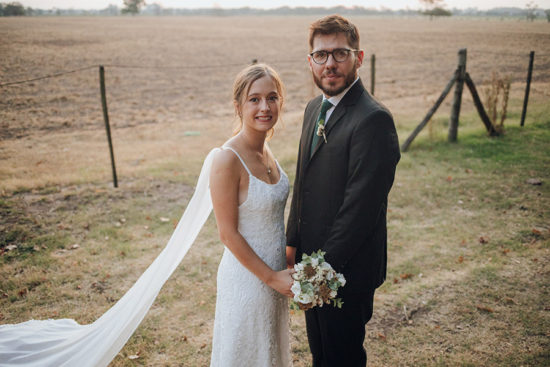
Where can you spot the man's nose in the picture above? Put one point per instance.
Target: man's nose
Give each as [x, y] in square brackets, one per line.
[330, 60]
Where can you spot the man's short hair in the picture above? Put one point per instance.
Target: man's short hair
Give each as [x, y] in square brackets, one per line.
[332, 24]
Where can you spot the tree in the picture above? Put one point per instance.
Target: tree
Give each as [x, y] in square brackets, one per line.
[438, 12]
[132, 6]
[430, 4]
[531, 11]
[13, 9]
[434, 8]
[547, 12]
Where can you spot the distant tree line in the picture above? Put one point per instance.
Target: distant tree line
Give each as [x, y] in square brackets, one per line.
[135, 7]
[12, 10]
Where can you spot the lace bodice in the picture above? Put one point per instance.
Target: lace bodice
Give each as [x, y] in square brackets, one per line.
[261, 218]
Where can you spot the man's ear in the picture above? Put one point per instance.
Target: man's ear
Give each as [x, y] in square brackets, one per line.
[309, 61]
[360, 56]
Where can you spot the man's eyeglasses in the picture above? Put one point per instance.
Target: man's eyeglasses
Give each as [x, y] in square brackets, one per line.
[338, 54]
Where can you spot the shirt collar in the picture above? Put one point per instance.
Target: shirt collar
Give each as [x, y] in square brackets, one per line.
[337, 98]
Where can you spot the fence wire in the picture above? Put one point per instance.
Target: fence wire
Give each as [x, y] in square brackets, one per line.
[72, 104]
[379, 60]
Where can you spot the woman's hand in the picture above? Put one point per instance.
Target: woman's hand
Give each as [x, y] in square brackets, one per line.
[281, 281]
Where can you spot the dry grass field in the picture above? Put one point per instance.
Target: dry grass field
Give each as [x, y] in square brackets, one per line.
[469, 239]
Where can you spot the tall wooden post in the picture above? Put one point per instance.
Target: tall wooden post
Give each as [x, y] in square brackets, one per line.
[457, 101]
[372, 72]
[527, 87]
[106, 118]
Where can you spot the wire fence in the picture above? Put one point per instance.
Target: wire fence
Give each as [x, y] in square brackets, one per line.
[506, 69]
[141, 93]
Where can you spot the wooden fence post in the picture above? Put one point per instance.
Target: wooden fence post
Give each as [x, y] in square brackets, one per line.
[480, 110]
[372, 72]
[455, 111]
[106, 118]
[527, 87]
[430, 113]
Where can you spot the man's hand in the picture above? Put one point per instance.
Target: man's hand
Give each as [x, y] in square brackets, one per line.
[290, 256]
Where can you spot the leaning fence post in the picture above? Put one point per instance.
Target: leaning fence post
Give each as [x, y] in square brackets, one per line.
[457, 100]
[106, 118]
[527, 87]
[372, 72]
[479, 106]
[431, 112]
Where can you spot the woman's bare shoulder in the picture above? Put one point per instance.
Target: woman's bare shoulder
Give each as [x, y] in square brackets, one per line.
[226, 163]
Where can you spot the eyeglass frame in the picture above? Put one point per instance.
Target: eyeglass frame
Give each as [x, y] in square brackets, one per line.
[329, 53]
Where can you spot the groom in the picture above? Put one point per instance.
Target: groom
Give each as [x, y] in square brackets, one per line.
[346, 165]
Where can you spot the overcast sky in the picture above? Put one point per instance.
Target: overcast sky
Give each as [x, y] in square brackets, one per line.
[393, 4]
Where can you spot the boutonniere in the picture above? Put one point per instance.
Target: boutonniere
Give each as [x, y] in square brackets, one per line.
[321, 130]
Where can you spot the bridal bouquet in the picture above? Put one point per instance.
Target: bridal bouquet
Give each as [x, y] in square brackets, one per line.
[315, 282]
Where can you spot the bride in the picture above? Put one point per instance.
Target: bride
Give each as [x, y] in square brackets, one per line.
[249, 191]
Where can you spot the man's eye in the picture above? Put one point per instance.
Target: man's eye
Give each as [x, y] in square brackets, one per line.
[320, 54]
[253, 99]
[341, 52]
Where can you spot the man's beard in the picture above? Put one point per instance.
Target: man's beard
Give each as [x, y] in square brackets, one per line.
[349, 79]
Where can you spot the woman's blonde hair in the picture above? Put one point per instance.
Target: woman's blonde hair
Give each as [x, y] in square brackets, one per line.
[244, 81]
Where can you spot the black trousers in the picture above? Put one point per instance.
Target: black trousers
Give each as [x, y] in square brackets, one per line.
[336, 335]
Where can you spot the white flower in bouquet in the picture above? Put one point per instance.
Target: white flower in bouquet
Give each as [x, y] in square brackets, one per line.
[296, 289]
[314, 261]
[305, 298]
[315, 282]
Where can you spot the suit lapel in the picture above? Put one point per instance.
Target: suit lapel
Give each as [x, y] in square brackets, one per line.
[349, 99]
[335, 117]
[310, 125]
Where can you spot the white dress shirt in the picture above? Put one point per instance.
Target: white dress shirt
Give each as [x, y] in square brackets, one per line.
[336, 99]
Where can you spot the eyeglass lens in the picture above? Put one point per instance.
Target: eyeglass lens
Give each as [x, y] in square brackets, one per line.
[339, 55]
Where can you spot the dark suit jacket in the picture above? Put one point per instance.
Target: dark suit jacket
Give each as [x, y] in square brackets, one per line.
[340, 194]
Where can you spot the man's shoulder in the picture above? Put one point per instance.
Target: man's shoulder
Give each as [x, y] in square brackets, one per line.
[315, 101]
[367, 105]
[358, 95]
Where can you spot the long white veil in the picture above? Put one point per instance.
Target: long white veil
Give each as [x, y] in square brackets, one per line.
[64, 342]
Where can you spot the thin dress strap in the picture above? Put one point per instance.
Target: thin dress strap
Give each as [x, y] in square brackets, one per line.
[238, 156]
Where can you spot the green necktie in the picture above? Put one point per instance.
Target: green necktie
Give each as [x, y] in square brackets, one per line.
[325, 106]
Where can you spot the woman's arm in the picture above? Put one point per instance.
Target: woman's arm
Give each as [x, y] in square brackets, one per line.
[224, 188]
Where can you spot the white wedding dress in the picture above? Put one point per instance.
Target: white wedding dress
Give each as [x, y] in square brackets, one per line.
[251, 327]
